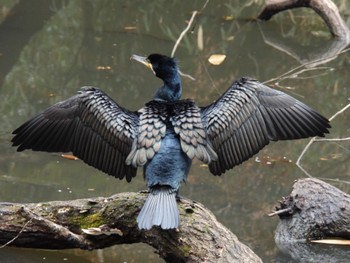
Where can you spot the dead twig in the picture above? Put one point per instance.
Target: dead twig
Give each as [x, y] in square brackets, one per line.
[187, 28]
[321, 139]
[19, 233]
[183, 33]
[300, 69]
[332, 139]
[280, 212]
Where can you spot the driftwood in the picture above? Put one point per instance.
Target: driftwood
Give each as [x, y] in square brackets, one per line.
[325, 8]
[314, 210]
[110, 221]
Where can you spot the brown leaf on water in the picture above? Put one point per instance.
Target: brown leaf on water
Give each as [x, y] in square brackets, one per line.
[200, 42]
[104, 68]
[336, 155]
[216, 59]
[331, 157]
[267, 160]
[228, 18]
[130, 28]
[69, 157]
[332, 242]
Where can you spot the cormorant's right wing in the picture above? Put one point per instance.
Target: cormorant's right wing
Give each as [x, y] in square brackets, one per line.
[90, 125]
[249, 115]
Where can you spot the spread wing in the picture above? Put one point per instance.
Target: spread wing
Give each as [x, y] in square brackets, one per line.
[90, 125]
[249, 115]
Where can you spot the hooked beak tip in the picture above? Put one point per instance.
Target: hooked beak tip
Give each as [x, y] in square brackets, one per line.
[142, 60]
[139, 58]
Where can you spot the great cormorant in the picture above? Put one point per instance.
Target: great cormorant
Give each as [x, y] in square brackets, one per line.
[167, 133]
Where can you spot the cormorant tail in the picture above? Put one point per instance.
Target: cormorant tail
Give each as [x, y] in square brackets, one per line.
[160, 209]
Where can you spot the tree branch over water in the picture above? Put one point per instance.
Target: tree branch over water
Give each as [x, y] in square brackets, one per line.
[110, 221]
[325, 8]
[315, 139]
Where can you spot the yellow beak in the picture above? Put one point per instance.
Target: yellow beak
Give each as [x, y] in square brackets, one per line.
[144, 61]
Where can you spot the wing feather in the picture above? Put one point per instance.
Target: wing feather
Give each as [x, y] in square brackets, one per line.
[187, 122]
[249, 115]
[151, 130]
[90, 125]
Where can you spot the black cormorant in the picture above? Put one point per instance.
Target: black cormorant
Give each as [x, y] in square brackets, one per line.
[167, 133]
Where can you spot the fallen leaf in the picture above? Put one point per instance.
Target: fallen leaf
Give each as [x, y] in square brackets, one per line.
[228, 18]
[216, 59]
[130, 28]
[69, 157]
[104, 68]
[200, 43]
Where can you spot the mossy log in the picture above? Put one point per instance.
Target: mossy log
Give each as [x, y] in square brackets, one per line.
[63, 224]
[324, 8]
[314, 210]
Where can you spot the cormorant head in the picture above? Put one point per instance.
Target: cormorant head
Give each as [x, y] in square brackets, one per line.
[166, 69]
[163, 67]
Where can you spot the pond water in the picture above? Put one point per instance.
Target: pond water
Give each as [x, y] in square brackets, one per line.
[48, 49]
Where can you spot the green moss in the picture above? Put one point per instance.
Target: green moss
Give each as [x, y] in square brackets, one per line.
[185, 249]
[94, 220]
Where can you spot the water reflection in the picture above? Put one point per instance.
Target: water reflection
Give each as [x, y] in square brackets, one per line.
[89, 43]
[301, 252]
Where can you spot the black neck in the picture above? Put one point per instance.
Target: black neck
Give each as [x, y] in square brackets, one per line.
[171, 90]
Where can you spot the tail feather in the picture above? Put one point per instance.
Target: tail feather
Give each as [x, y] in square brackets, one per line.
[160, 209]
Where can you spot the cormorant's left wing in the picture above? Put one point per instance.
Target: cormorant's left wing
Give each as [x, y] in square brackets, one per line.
[249, 115]
[90, 125]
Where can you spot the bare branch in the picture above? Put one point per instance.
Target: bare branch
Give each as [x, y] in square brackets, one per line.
[324, 8]
[183, 33]
[320, 139]
[332, 139]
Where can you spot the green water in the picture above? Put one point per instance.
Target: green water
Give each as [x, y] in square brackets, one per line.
[48, 49]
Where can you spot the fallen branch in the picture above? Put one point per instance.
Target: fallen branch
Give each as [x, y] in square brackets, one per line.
[314, 210]
[110, 221]
[325, 8]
